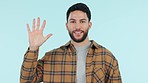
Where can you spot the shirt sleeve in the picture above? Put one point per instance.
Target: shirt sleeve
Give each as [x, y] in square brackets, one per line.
[31, 70]
[114, 76]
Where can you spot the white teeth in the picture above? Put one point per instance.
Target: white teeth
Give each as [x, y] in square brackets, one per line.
[78, 32]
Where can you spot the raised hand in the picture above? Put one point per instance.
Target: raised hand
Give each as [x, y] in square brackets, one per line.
[36, 38]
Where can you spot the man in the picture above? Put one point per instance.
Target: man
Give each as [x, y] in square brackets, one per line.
[80, 60]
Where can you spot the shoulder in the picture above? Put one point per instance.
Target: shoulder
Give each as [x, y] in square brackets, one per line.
[105, 54]
[101, 50]
[56, 51]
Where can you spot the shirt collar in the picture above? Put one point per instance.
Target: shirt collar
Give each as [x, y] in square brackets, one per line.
[93, 44]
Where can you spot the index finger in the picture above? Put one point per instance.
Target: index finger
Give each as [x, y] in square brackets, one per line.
[43, 25]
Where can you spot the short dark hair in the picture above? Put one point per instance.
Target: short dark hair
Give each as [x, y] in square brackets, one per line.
[79, 6]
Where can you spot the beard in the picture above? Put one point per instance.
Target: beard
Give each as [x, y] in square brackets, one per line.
[85, 33]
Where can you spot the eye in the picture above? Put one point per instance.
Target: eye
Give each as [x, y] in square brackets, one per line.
[83, 21]
[72, 21]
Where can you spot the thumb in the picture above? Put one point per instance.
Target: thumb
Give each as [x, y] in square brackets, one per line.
[49, 35]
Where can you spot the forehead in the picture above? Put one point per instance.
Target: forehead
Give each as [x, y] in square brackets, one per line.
[77, 15]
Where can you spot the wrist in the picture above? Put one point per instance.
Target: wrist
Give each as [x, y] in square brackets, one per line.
[33, 48]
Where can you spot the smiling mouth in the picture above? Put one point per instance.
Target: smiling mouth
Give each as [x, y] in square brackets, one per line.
[78, 32]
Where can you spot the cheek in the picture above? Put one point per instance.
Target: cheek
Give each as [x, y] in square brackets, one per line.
[86, 27]
[70, 27]
[69, 30]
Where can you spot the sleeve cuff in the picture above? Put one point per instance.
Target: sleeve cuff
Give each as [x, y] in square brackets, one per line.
[31, 54]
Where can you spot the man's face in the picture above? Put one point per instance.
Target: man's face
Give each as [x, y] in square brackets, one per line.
[78, 26]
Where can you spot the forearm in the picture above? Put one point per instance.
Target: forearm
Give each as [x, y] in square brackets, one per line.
[29, 67]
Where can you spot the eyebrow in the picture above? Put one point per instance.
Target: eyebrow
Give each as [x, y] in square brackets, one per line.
[71, 19]
[80, 19]
[83, 19]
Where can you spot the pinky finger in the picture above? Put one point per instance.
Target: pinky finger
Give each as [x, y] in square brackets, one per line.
[28, 29]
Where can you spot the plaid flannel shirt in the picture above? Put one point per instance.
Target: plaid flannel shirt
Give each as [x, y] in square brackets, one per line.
[59, 66]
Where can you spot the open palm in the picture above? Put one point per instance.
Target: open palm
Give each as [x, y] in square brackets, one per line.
[36, 38]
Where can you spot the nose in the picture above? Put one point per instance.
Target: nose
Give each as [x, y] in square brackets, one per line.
[78, 26]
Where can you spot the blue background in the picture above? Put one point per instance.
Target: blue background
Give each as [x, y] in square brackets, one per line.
[119, 25]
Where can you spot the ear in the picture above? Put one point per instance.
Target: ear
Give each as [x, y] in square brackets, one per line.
[90, 24]
[66, 24]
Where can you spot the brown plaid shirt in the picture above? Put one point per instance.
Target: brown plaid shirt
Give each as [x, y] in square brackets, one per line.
[59, 66]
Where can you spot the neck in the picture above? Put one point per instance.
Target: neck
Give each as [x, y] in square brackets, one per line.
[85, 42]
